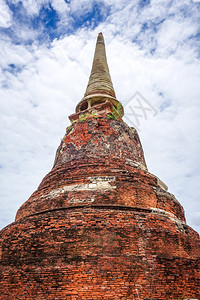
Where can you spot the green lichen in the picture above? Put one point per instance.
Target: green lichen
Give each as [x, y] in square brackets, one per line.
[120, 109]
[82, 118]
[117, 112]
[68, 127]
[111, 116]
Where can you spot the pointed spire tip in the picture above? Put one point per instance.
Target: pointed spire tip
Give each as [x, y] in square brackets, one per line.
[100, 38]
[100, 87]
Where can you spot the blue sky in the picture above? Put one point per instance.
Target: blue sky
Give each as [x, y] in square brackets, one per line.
[46, 51]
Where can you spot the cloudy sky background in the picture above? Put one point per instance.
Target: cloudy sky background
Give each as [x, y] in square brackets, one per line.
[46, 52]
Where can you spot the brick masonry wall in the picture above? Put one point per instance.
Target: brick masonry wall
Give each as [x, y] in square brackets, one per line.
[100, 226]
[100, 161]
[68, 186]
[99, 253]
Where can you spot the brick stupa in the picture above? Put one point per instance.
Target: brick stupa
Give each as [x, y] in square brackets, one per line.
[100, 226]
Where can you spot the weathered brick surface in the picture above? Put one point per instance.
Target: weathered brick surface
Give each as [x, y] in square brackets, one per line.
[99, 253]
[100, 226]
[100, 161]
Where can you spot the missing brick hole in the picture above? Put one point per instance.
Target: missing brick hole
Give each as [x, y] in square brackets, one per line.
[84, 106]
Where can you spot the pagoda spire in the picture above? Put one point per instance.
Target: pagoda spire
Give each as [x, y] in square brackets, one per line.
[100, 80]
[100, 88]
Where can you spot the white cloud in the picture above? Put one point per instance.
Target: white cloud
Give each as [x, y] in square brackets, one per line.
[80, 7]
[32, 6]
[60, 6]
[173, 34]
[13, 54]
[5, 15]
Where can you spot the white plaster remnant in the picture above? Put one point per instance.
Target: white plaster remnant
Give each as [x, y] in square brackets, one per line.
[166, 194]
[135, 164]
[97, 183]
[95, 179]
[162, 184]
[171, 216]
[87, 200]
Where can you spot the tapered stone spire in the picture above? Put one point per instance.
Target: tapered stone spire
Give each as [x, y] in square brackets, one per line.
[100, 88]
[100, 80]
